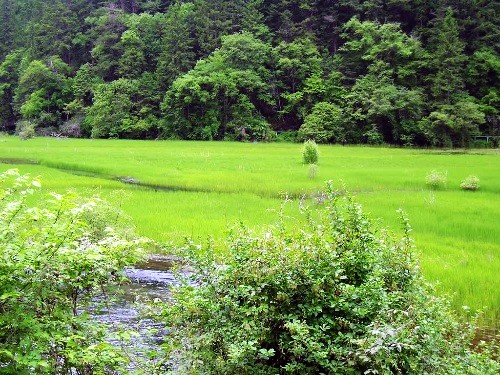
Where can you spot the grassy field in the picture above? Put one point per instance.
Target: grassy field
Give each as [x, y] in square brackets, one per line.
[199, 188]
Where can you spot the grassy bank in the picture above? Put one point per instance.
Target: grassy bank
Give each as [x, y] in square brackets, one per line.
[199, 188]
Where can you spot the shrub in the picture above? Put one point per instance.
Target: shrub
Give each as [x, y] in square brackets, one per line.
[436, 180]
[310, 152]
[324, 124]
[72, 128]
[336, 297]
[53, 262]
[453, 124]
[25, 129]
[470, 183]
[373, 136]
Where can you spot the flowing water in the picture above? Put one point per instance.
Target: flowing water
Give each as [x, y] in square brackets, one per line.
[148, 282]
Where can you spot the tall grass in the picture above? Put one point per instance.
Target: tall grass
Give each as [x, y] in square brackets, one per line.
[200, 188]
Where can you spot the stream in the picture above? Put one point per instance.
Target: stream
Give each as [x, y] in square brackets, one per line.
[148, 282]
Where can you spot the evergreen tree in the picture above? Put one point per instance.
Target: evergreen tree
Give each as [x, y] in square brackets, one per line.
[132, 60]
[54, 31]
[385, 63]
[111, 115]
[479, 23]
[106, 31]
[446, 59]
[150, 31]
[6, 27]
[177, 53]
[378, 106]
[369, 42]
[217, 18]
[298, 67]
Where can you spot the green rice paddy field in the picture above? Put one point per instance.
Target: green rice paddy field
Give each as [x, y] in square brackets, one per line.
[200, 188]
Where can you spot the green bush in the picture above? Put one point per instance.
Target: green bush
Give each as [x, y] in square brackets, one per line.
[310, 152]
[336, 297]
[373, 136]
[453, 125]
[324, 124]
[470, 183]
[436, 180]
[53, 262]
[25, 130]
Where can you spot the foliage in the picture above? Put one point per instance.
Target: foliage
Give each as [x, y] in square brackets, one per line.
[54, 261]
[436, 180]
[9, 76]
[310, 152]
[218, 18]
[446, 58]
[336, 297]
[470, 183]
[375, 101]
[290, 136]
[482, 68]
[121, 109]
[41, 91]
[25, 130]
[82, 86]
[388, 66]
[373, 136]
[453, 124]
[217, 99]
[131, 63]
[299, 84]
[369, 42]
[106, 29]
[112, 108]
[176, 58]
[380, 59]
[324, 124]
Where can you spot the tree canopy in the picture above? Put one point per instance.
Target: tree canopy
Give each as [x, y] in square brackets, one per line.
[398, 72]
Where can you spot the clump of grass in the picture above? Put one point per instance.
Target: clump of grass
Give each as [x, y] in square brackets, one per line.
[471, 183]
[436, 180]
[310, 152]
[313, 171]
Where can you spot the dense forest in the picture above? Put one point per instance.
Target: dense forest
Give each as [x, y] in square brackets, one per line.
[402, 72]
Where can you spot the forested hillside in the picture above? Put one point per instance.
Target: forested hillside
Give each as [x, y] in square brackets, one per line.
[405, 72]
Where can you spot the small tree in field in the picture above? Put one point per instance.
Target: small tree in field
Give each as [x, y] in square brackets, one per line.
[333, 297]
[310, 152]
